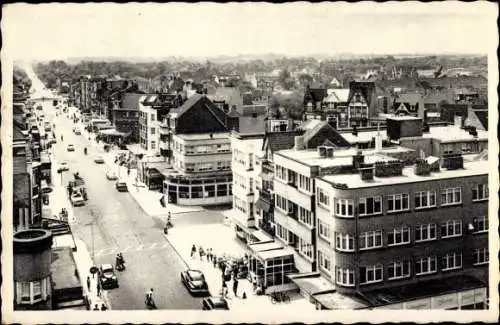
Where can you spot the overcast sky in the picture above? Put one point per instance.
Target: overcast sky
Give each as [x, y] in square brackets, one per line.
[153, 30]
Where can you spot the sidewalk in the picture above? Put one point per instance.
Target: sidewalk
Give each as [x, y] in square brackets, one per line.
[222, 240]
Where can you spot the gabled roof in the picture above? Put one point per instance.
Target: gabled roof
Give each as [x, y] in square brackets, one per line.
[337, 96]
[478, 118]
[410, 98]
[337, 140]
[188, 104]
[317, 94]
[130, 101]
[276, 141]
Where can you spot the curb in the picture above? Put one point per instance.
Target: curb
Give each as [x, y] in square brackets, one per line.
[176, 251]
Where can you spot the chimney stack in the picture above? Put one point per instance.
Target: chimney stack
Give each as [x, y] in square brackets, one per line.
[378, 140]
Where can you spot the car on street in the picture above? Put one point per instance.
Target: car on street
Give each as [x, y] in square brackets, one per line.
[107, 277]
[121, 186]
[99, 160]
[195, 282]
[77, 131]
[70, 147]
[214, 303]
[77, 199]
[111, 175]
[63, 166]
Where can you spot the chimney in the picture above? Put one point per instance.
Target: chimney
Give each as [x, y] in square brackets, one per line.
[458, 120]
[378, 140]
[358, 160]
[366, 173]
[322, 151]
[289, 126]
[299, 143]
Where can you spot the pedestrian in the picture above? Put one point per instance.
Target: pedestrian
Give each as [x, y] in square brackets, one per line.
[193, 250]
[96, 307]
[224, 289]
[88, 282]
[214, 260]
[235, 287]
[201, 251]
[208, 255]
[98, 288]
[103, 307]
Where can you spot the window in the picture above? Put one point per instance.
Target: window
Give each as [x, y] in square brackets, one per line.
[399, 236]
[447, 149]
[370, 205]
[344, 242]
[480, 192]
[304, 183]
[305, 216]
[398, 202]
[451, 229]
[344, 208]
[425, 199]
[480, 224]
[323, 230]
[282, 232]
[451, 261]
[190, 167]
[481, 256]
[398, 270]
[281, 203]
[205, 167]
[24, 291]
[425, 232]
[280, 173]
[153, 130]
[450, 196]
[305, 248]
[370, 274]
[153, 145]
[370, 239]
[324, 261]
[344, 277]
[466, 147]
[426, 265]
[323, 199]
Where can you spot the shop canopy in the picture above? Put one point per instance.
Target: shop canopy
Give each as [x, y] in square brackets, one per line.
[270, 250]
[112, 132]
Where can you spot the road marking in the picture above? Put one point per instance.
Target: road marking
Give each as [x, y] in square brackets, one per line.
[129, 248]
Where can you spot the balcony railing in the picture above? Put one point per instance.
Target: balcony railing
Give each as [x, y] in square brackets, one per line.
[267, 227]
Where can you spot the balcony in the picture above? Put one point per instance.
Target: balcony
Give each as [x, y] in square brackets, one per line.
[267, 227]
[267, 167]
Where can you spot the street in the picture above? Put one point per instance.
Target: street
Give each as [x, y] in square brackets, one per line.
[112, 222]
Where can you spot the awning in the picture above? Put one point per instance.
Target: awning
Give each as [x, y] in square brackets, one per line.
[263, 205]
[261, 247]
[311, 283]
[112, 132]
[262, 237]
[275, 253]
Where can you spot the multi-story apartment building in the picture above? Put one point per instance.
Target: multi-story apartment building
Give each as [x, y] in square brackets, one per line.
[200, 153]
[246, 150]
[153, 114]
[380, 224]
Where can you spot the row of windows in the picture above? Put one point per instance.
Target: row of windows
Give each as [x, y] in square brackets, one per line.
[402, 268]
[202, 166]
[402, 235]
[292, 178]
[400, 202]
[296, 211]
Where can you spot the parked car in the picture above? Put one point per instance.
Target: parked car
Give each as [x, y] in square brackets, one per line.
[111, 175]
[121, 186]
[77, 199]
[214, 303]
[71, 147]
[99, 160]
[108, 277]
[194, 280]
[63, 166]
[77, 131]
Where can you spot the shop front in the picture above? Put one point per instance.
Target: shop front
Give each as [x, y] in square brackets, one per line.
[269, 265]
[182, 190]
[154, 179]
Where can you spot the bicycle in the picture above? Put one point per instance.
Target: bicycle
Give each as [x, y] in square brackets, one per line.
[279, 297]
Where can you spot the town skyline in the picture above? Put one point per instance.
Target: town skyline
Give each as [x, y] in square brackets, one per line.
[180, 30]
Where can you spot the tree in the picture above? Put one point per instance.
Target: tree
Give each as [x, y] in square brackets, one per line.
[286, 80]
[305, 79]
[291, 103]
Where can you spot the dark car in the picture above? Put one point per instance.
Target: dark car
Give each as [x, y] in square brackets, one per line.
[214, 303]
[108, 277]
[99, 160]
[121, 186]
[194, 280]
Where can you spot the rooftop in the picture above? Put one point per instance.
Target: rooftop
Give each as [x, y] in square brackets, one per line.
[63, 269]
[341, 157]
[471, 168]
[204, 136]
[363, 136]
[452, 133]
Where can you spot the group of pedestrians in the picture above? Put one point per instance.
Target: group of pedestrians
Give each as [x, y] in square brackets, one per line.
[99, 291]
[229, 273]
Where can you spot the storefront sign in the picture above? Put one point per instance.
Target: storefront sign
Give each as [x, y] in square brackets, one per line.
[445, 301]
[418, 304]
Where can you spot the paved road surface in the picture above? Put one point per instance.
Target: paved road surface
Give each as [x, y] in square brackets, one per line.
[120, 225]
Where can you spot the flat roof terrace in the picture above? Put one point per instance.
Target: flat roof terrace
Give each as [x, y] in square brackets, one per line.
[471, 168]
